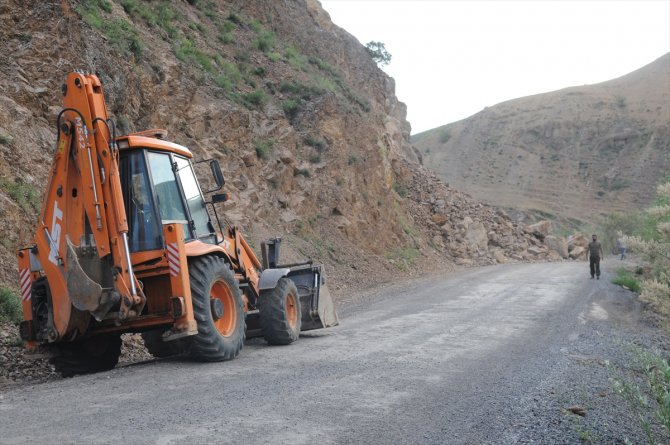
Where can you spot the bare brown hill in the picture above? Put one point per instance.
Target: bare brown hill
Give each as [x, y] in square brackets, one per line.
[312, 140]
[572, 153]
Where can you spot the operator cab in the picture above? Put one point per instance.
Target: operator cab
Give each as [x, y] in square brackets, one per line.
[159, 185]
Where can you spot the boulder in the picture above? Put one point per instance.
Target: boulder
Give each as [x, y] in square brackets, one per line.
[578, 252]
[477, 236]
[557, 244]
[499, 256]
[543, 227]
[577, 241]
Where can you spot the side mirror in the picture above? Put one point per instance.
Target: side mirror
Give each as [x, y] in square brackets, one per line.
[216, 172]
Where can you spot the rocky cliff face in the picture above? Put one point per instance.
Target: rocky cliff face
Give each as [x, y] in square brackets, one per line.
[313, 142]
[574, 153]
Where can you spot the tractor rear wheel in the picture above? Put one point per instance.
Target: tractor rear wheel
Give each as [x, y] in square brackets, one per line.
[279, 311]
[153, 340]
[218, 309]
[94, 354]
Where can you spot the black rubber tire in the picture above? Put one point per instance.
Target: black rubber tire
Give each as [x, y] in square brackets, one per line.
[274, 317]
[94, 354]
[209, 344]
[153, 340]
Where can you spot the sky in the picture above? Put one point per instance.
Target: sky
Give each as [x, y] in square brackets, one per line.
[451, 59]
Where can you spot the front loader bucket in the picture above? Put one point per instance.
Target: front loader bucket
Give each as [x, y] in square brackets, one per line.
[326, 308]
[318, 308]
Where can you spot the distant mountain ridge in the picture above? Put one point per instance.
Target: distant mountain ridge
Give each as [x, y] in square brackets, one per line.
[576, 153]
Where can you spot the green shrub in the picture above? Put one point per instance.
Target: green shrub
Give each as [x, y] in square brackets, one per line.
[400, 189]
[10, 306]
[352, 159]
[264, 147]
[626, 278]
[231, 71]
[295, 58]
[256, 25]
[324, 66]
[317, 142]
[234, 18]
[5, 139]
[256, 98]
[445, 135]
[301, 172]
[290, 107]
[265, 41]
[226, 39]
[315, 158]
[259, 71]
[224, 82]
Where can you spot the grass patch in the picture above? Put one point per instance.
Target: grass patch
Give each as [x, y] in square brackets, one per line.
[24, 194]
[646, 388]
[403, 258]
[294, 58]
[119, 32]
[264, 147]
[10, 306]
[185, 50]
[627, 279]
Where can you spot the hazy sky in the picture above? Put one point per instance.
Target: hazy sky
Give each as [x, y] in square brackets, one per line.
[453, 58]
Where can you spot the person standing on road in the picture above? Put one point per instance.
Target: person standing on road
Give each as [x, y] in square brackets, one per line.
[621, 245]
[595, 253]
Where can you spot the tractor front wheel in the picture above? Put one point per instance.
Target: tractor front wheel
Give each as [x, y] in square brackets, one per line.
[93, 354]
[153, 340]
[279, 311]
[218, 309]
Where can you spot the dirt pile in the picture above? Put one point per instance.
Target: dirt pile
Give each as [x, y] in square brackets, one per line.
[572, 153]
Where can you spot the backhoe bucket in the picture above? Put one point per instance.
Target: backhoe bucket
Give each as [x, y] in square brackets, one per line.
[318, 309]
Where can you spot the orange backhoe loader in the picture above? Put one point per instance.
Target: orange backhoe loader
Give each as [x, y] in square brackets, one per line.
[126, 243]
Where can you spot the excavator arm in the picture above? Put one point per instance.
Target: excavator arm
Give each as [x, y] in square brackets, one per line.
[82, 237]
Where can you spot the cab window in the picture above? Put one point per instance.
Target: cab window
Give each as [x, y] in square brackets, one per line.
[168, 198]
[144, 232]
[194, 200]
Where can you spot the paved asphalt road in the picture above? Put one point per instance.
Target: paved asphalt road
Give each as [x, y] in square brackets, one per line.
[455, 359]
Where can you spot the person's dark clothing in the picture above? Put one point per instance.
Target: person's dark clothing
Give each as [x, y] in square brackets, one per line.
[594, 263]
[595, 249]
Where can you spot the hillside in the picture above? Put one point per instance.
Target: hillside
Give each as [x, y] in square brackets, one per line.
[572, 153]
[312, 140]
